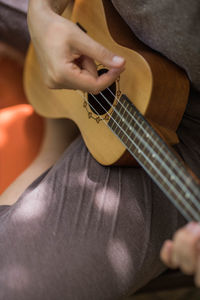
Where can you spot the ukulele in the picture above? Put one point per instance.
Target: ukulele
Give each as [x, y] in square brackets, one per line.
[134, 121]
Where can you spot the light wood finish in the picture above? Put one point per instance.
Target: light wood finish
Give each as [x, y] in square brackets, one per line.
[158, 88]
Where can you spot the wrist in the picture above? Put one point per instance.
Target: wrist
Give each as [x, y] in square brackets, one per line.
[56, 6]
[39, 12]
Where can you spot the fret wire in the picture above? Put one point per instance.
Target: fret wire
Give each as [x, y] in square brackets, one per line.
[186, 191]
[117, 128]
[157, 164]
[160, 164]
[172, 158]
[181, 168]
[138, 141]
[181, 199]
[115, 124]
[135, 130]
[123, 121]
[118, 121]
[121, 124]
[146, 129]
[163, 183]
[131, 108]
[136, 146]
[197, 217]
[172, 192]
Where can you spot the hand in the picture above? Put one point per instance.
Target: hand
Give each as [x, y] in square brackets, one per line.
[184, 251]
[67, 55]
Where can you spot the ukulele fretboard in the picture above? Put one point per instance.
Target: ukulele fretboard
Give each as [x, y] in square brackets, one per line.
[155, 156]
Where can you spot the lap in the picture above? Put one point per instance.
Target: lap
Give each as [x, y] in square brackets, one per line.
[84, 231]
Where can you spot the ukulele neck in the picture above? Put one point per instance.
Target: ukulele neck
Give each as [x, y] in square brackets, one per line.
[156, 157]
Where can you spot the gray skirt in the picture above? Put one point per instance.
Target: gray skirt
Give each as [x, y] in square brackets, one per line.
[84, 231]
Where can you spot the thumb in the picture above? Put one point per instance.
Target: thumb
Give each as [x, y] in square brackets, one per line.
[87, 46]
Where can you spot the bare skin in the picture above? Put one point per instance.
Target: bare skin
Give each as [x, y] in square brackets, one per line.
[67, 55]
[66, 62]
[183, 251]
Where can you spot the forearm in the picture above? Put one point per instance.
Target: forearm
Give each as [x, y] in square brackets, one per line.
[60, 45]
[42, 12]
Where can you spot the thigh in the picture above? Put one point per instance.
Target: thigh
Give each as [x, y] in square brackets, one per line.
[83, 231]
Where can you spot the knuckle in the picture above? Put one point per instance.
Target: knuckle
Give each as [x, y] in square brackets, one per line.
[103, 52]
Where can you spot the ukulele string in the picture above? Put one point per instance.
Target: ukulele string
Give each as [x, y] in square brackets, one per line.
[150, 149]
[195, 190]
[189, 207]
[186, 203]
[178, 181]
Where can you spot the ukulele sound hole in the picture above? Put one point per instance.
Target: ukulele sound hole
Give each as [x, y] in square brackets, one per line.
[102, 102]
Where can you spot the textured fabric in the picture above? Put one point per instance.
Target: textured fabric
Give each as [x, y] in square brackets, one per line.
[82, 231]
[13, 25]
[21, 5]
[171, 27]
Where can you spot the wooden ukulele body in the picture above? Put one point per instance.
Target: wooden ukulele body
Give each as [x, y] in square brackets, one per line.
[157, 87]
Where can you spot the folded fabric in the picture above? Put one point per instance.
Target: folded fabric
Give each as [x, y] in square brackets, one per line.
[21, 5]
[13, 24]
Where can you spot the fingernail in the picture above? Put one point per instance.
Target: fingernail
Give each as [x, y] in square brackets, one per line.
[190, 225]
[118, 60]
[194, 228]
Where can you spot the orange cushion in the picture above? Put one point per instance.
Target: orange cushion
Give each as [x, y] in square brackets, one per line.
[21, 129]
[11, 83]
